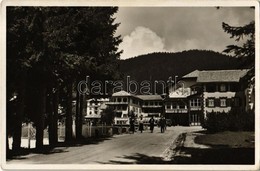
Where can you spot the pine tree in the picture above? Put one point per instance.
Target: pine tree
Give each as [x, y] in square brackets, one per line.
[48, 51]
[246, 51]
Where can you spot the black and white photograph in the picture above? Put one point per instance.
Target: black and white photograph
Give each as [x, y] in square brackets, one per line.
[140, 86]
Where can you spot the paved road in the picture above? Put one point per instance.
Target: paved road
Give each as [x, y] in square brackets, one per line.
[120, 149]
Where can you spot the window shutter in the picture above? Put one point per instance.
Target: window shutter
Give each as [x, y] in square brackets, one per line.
[229, 102]
[207, 102]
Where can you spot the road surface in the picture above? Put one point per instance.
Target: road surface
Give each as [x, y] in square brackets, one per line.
[120, 149]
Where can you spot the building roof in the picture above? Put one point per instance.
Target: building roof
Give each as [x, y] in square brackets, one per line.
[149, 97]
[180, 93]
[192, 74]
[103, 106]
[98, 100]
[220, 76]
[121, 93]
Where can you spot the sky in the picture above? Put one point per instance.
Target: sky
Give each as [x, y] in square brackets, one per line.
[174, 29]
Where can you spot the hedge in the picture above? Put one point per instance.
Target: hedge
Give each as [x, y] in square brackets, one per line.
[235, 120]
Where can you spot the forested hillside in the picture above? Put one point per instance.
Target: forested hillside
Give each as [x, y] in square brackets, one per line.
[160, 66]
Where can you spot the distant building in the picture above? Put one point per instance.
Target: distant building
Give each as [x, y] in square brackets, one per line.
[94, 107]
[152, 105]
[212, 90]
[189, 101]
[222, 90]
[123, 103]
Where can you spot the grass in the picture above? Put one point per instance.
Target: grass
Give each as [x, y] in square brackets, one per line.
[223, 148]
[228, 138]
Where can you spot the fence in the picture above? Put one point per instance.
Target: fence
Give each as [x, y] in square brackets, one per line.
[88, 130]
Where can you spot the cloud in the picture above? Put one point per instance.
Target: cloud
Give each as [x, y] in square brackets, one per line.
[179, 28]
[141, 40]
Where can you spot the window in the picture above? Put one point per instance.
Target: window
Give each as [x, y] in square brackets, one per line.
[125, 99]
[151, 103]
[210, 88]
[211, 103]
[124, 107]
[223, 87]
[119, 99]
[146, 103]
[195, 102]
[182, 106]
[168, 106]
[223, 102]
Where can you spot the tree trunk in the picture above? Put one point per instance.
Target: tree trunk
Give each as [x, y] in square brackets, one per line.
[68, 134]
[51, 119]
[81, 109]
[18, 118]
[78, 135]
[7, 146]
[55, 115]
[40, 119]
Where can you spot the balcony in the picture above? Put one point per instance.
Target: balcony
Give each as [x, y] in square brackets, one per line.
[176, 111]
[117, 103]
[151, 106]
[195, 108]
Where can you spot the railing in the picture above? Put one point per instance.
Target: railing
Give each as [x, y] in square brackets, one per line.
[151, 106]
[176, 111]
[88, 130]
[116, 103]
[195, 108]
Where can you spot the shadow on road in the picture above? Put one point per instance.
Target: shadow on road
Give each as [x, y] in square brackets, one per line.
[218, 155]
[215, 155]
[84, 141]
[60, 147]
[137, 158]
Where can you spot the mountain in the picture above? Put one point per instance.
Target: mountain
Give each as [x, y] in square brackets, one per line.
[162, 65]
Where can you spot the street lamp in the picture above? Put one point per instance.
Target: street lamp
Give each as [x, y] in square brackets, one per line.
[175, 79]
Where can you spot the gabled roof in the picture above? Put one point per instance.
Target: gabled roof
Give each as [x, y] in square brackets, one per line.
[149, 97]
[221, 76]
[121, 93]
[192, 74]
[180, 93]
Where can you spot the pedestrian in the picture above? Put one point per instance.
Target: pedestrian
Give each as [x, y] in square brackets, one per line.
[132, 124]
[141, 124]
[151, 122]
[165, 123]
[162, 123]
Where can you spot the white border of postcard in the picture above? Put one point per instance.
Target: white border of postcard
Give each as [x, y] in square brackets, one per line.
[121, 3]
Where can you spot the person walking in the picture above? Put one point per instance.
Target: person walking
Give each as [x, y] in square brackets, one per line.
[151, 122]
[141, 124]
[132, 122]
[132, 125]
[162, 124]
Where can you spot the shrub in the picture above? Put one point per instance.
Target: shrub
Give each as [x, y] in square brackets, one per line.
[235, 120]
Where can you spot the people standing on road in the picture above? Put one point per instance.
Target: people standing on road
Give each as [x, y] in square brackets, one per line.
[132, 122]
[141, 124]
[132, 125]
[151, 122]
[162, 123]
